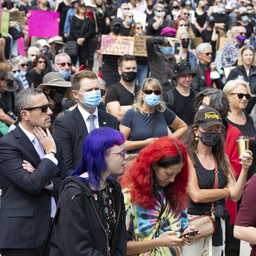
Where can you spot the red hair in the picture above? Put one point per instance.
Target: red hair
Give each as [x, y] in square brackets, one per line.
[138, 175]
[177, 22]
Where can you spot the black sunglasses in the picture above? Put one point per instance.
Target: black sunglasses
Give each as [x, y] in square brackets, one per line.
[58, 90]
[184, 39]
[15, 71]
[241, 95]
[24, 64]
[242, 34]
[208, 53]
[63, 64]
[156, 92]
[44, 108]
[41, 61]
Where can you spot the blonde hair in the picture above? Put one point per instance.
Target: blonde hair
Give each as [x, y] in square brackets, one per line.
[240, 56]
[154, 83]
[181, 32]
[127, 13]
[232, 84]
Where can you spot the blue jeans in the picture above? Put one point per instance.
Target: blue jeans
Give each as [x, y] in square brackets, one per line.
[142, 73]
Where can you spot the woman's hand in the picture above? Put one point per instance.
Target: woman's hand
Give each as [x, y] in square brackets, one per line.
[80, 41]
[28, 166]
[168, 239]
[189, 239]
[246, 159]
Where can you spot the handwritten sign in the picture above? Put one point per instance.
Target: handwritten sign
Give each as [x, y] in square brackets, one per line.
[140, 48]
[18, 16]
[4, 22]
[43, 24]
[116, 45]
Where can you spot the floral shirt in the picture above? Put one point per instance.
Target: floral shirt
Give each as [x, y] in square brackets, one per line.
[229, 54]
[140, 222]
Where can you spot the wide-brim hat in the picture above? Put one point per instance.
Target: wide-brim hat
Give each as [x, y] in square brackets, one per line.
[56, 79]
[43, 42]
[57, 40]
[207, 117]
[241, 11]
[12, 84]
[88, 3]
[183, 68]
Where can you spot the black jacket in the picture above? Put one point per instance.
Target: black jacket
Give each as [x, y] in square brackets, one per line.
[199, 82]
[239, 72]
[78, 228]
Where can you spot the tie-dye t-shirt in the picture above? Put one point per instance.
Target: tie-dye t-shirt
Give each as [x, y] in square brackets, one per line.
[140, 223]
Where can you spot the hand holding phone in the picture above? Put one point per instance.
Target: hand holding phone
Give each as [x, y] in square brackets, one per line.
[189, 233]
[177, 48]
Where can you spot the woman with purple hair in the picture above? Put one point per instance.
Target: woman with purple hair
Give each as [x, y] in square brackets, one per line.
[90, 217]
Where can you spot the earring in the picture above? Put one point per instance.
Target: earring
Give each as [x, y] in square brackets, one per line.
[196, 138]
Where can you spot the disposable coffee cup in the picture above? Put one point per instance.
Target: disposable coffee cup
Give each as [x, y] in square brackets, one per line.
[242, 144]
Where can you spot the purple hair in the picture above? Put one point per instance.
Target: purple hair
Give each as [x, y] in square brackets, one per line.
[93, 153]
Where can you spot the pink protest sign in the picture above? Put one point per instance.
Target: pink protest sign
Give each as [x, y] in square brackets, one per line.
[21, 46]
[43, 24]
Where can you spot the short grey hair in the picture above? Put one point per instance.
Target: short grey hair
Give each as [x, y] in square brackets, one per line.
[20, 58]
[62, 54]
[33, 49]
[23, 99]
[200, 48]
[158, 6]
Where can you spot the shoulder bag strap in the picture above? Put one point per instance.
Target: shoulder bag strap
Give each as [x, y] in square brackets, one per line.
[216, 185]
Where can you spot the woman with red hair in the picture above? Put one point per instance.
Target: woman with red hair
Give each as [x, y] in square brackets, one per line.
[154, 188]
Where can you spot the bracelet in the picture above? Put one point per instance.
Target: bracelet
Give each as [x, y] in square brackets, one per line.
[52, 153]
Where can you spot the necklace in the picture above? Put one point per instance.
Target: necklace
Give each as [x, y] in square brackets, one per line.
[104, 195]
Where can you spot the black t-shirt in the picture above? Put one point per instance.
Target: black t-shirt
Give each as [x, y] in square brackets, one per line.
[125, 31]
[149, 16]
[62, 9]
[201, 18]
[118, 92]
[207, 36]
[151, 31]
[221, 18]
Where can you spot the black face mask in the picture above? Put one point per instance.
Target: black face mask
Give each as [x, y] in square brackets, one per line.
[210, 139]
[57, 48]
[176, 7]
[116, 30]
[185, 44]
[129, 76]
[183, 5]
[57, 96]
[99, 5]
[211, 25]
[150, 6]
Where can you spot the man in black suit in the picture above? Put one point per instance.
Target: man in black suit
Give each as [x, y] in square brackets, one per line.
[31, 170]
[73, 127]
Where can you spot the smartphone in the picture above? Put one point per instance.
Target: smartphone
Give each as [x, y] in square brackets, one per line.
[177, 48]
[189, 233]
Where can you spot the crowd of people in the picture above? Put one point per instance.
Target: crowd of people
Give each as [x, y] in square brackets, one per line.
[120, 160]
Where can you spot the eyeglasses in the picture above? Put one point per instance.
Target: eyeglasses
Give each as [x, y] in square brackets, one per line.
[123, 153]
[24, 64]
[139, 28]
[41, 61]
[130, 16]
[186, 13]
[15, 71]
[241, 95]
[183, 25]
[208, 53]
[44, 108]
[184, 39]
[160, 10]
[126, 9]
[148, 92]
[63, 64]
[242, 34]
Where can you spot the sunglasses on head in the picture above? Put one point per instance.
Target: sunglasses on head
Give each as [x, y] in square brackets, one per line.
[241, 95]
[41, 61]
[24, 64]
[63, 64]
[148, 92]
[184, 39]
[208, 53]
[44, 108]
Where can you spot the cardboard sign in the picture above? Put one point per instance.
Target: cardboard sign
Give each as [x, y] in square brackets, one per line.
[18, 16]
[116, 45]
[140, 48]
[43, 24]
[223, 41]
[4, 22]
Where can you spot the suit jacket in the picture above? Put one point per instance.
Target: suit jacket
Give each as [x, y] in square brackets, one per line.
[71, 130]
[25, 203]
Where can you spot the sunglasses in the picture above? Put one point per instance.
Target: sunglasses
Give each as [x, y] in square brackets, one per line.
[156, 92]
[32, 55]
[159, 10]
[59, 90]
[63, 64]
[123, 153]
[130, 16]
[24, 64]
[185, 13]
[41, 61]
[184, 39]
[241, 95]
[44, 108]
[15, 71]
[208, 53]
[183, 25]
[242, 34]
[139, 28]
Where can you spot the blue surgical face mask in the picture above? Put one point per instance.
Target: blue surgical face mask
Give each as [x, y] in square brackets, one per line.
[188, 3]
[221, 10]
[65, 74]
[245, 18]
[166, 50]
[129, 21]
[16, 1]
[159, 14]
[23, 73]
[152, 100]
[92, 99]
[16, 75]
[124, 11]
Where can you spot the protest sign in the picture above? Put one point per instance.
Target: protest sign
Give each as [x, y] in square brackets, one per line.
[43, 23]
[18, 16]
[116, 45]
[140, 48]
[227, 71]
[21, 46]
[4, 22]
